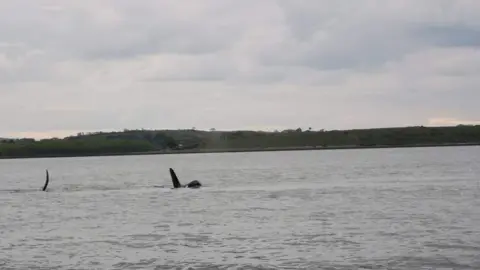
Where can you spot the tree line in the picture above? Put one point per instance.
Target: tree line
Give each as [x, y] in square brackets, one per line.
[131, 141]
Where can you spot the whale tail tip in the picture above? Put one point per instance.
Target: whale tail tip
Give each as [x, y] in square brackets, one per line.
[47, 180]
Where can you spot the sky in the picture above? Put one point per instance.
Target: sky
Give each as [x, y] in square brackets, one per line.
[100, 65]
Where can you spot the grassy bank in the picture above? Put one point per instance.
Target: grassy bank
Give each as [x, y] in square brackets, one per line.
[240, 150]
[149, 142]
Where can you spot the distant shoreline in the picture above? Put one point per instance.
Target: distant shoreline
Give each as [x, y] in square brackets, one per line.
[240, 150]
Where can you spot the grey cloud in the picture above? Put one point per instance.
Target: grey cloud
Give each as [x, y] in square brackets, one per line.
[86, 65]
[368, 34]
[120, 30]
[450, 35]
[187, 67]
[45, 120]
[19, 63]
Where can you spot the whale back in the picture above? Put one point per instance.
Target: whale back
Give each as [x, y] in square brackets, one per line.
[194, 184]
[175, 181]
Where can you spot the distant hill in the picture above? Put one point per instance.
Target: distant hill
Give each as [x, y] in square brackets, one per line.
[189, 140]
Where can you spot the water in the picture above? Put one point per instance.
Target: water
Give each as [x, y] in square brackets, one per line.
[342, 209]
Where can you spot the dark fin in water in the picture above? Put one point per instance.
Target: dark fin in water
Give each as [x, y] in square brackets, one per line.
[176, 183]
[46, 181]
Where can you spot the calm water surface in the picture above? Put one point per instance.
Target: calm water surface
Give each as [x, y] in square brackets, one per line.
[342, 209]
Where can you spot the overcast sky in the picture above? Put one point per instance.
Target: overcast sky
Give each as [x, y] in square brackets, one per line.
[91, 65]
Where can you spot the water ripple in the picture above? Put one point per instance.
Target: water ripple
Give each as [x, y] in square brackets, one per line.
[402, 209]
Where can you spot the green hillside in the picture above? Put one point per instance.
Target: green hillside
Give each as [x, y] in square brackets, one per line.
[160, 141]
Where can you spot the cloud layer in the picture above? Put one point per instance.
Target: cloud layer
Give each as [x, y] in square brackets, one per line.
[70, 66]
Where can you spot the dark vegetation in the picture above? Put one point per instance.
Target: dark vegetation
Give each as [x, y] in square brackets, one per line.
[147, 141]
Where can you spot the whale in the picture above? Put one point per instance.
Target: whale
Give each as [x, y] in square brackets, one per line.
[177, 184]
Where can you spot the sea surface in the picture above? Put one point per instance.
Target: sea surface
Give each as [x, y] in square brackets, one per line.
[413, 208]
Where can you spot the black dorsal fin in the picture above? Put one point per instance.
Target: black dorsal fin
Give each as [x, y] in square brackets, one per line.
[46, 181]
[173, 175]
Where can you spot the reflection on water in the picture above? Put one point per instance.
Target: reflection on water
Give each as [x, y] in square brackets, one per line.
[365, 209]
